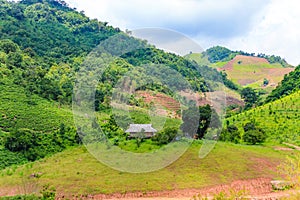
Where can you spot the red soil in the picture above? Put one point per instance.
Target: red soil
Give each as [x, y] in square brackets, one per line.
[161, 101]
[246, 60]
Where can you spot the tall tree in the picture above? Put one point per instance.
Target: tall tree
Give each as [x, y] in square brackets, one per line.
[250, 97]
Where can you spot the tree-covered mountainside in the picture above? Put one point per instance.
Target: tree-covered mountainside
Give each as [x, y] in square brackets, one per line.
[51, 30]
[288, 85]
[45, 41]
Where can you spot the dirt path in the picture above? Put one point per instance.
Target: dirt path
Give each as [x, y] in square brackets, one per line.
[258, 189]
[254, 189]
[270, 196]
[292, 146]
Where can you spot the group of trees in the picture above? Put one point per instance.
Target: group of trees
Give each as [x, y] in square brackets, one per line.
[220, 54]
[197, 121]
[22, 144]
[251, 134]
[250, 97]
[49, 42]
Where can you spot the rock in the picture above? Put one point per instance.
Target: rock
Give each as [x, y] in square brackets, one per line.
[281, 185]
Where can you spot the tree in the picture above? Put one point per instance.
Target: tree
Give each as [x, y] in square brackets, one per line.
[140, 137]
[166, 135]
[250, 97]
[231, 134]
[253, 134]
[266, 82]
[205, 120]
[8, 46]
[190, 118]
[198, 120]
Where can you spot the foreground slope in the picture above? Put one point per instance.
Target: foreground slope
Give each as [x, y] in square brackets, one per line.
[75, 171]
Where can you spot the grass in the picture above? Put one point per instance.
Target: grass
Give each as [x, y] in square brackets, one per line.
[253, 75]
[279, 119]
[198, 57]
[75, 171]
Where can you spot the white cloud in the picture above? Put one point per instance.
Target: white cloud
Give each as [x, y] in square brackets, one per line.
[269, 27]
[208, 17]
[277, 32]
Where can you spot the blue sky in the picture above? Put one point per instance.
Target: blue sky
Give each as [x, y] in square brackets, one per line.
[269, 26]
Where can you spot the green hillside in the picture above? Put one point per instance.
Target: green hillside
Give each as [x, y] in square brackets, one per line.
[32, 112]
[31, 127]
[279, 119]
[219, 54]
[244, 69]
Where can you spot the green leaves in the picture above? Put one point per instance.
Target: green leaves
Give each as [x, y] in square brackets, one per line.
[250, 97]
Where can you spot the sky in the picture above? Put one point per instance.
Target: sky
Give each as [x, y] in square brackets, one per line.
[254, 26]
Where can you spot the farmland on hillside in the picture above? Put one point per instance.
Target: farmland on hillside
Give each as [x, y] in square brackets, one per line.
[279, 119]
[251, 71]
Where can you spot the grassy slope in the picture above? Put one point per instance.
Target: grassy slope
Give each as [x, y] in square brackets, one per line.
[251, 71]
[75, 171]
[280, 119]
[32, 112]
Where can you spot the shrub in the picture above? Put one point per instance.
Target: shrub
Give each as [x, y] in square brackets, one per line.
[231, 134]
[254, 136]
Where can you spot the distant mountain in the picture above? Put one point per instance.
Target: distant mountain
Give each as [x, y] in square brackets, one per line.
[258, 71]
[220, 54]
[255, 72]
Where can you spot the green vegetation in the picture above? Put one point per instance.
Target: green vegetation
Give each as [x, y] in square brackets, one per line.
[278, 120]
[43, 44]
[218, 53]
[31, 127]
[250, 97]
[197, 121]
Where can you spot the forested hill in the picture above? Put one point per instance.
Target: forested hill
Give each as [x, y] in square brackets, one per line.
[44, 42]
[288, 85]
[50, 29]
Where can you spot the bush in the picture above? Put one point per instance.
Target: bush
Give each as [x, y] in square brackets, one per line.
[254, 136]
[165, 136]
[231, 134]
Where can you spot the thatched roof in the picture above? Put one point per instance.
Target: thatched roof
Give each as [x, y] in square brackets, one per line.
[137, 128]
